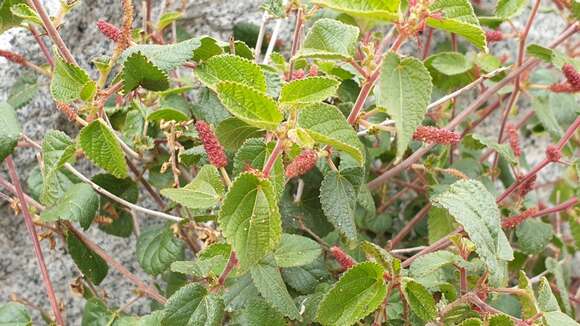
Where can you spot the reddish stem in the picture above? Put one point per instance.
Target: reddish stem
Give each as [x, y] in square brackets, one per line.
[232, 262]
[364, 93]
[42, 45]
[278, 149]
[36, 244]
[296, 39]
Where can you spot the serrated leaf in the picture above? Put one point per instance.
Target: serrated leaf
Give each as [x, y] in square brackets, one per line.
[296, 250]
[306, 278]
[157, 248]
[419, 299]
[167, 19]
[450, 63]
[249, 105]
[70, 82]
[240, 292]
[440, 224]
[165, 57]
[79, 203]
[544, 112]
[22, 92]
[546, 300]
[7, 19]
[357, 293]
[548, 55]
[228, 67]
[258, 312]
[233, 132]
[167, 114]
[469, 202]
[209, 108]
[57, 149]
[330, 39]
[14, 314]
[509, 8]
[193, 305]
[26, 13]
[558, 318]
[308, 90]
[139, 71]
[250, 219]
[204, 192]
[429, 263]
[504, 150]
[269, 283]
[556, 269]
[404, 89]
[101, 146]
[255, 153]
[9, 130]
[500, 320]
[90, 264]
[459, 18]
[533, 236]
[385, 10]
[380, 255]
[338, 201]
[327, 125]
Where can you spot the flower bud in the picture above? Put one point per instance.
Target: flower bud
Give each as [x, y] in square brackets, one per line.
[302, 164]
[553, 153]
[434, 135]
[563, 88]
[67, 110]
[111, 31]
[212, 146]
[514, 139]
[572, 76]
[342, 257]
[527, 186]
[493, 36]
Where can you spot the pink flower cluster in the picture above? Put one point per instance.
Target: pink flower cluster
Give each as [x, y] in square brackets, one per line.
[302, 164]
[434, 135]
[211, 144]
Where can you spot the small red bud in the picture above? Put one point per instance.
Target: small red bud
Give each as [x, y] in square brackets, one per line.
[553, 153]
[298, 74]
[572, 76]
[527, 186]
[313, 71]
[67, 110]
[13, 57]
[493, 36]
[514, 139]
[302, 164]
[516, 220]
[211, 144]
[342, 257]
[111, 31]
[434, 135]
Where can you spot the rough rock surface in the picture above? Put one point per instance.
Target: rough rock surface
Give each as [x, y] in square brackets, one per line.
[18, 267]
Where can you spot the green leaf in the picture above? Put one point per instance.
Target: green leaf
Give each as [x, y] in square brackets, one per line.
[249, 105]
[167, 19]
[233, 132]
[309, 90]
[450, 63]
[419, 299]
[139, 71]
[330, 39]
[26, 13]
[209, 108]
[269, 283]
[90, 264]
[165, 57]
[9, 130]
[459, 18]
[543, 109]
[504, 150]
[327, 125]
[440, 224]
[228, 67]
[507, 9]
[338, 200]
[306, 278]
[548, 55]
[255, 153]
[7, 19]
[381, 256]
[556, 269]
[22, 92]
[157, 248]
[385, 10]
[70, 82]
[274, 7]
[102, 148]
[296, 250]
[250, 219]
[357, 293]
[79, 203]
[258, 312]
[14, 314]
[546, 300]
[123, 188]
[404, 89]
[57, 149]
[167, 114]
[469, 202]
[193, 305]
[558, 318]
[500, 320]
[240, 292]
[533, 236]
[430, 263]
[204, 192]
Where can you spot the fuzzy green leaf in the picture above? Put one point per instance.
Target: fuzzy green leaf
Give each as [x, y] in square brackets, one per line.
[57, 149]
[228, 67]
[255, 153]
[546, 299]
[504, 150]
[357, 293]
[7, 18]
[167, 114]
[309, 90]
[327, 125]
[450, 63]
[556, 269]
[90, 264]
[509, 8]
[546, 115]
[274, 8]
[26, 13]
[233, 132]
[157, 248]
[139, 71]
[459, 18]
[404, 89]
[14, 314]
[102, 148]
[330, 39]
[469, 202]
[534, 236]
[385, 10]
[22, 92]
[269, 283]
[70, 82]
[296, 250]
[79, 203]
[164, 57]
[558, 318]
[249, 105]
[9, 130]
[338, 200]
[204, 192]
[250, 219]
[419, 299]
[193, 305]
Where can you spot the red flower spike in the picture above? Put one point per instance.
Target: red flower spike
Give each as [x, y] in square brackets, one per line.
[493, 36]
[553, 153]
[514, 139]
[13, 57]
[527, 186]
[212, 146]
[313, 71]
[342, 257]
[302, 164]
[434, 135]
[111, 31]
[67, 110]
[563, 88]
[572, 76]
[298, 74]
[512, 222]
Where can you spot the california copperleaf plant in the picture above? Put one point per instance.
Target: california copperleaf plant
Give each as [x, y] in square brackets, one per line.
[342, 177]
